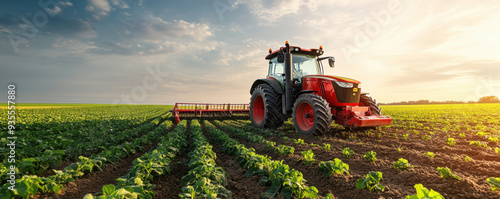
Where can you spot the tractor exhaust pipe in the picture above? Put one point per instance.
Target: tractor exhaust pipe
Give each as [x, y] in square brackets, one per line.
[288, 80]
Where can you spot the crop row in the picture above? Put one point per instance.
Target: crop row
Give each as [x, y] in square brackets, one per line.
[281, 179]
[31, 184]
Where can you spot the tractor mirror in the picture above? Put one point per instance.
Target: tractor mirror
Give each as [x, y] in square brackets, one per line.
[331, 61]
[281, 57]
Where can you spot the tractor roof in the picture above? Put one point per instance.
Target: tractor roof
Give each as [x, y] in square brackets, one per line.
[296, 50]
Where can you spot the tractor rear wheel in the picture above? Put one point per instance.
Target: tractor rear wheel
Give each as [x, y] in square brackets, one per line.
[311, 115]
[265, 108]
[366, 100]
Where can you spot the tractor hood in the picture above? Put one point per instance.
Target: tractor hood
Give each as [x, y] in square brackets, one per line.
[333, 78]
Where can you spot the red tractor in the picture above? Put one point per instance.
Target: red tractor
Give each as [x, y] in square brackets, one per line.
[297, 87]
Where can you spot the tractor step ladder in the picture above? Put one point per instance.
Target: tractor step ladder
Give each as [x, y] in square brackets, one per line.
[209, 111]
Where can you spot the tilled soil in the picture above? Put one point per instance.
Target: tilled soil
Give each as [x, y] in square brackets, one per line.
[169, 185]
[94, 181]
[397, 183]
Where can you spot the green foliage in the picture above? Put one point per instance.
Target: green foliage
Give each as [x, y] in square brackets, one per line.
[426, 137]
[478, 143]
[424, 193]
[462, 135]
[333, 167]
[468, 159]
[285, 150]
[270, 145]
[446, 173]
[298, 141]
[326, 147]
[370, 156]
[402, 164]
[497, 150]
[308, 157]
[347, 152]
[494, 182]
[371, 182]
[450, 141]
[286, 139]
[405, 136]
[493, 139]
[430, 154]
[313, 145]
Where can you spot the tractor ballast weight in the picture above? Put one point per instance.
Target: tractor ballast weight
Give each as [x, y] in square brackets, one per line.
[204, 110]
[296, 87]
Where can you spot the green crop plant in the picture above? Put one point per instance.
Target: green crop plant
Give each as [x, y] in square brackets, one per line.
[497, 150]
[371, 182]
[478, 143]
[467, 159]
[426, 137]
[461, 135]
[347, 152]
[286, 139]
[450, 141]
[424, 193]
[405, 136]
[308, 157]
[494, 182]
[270, 145]
[445, 172]
[493, 139]
[326, 147]
[313, 145]
[285, 150]
[430, 154]
[298, 141]
[370, 156]
[402, 164]
[333, 167]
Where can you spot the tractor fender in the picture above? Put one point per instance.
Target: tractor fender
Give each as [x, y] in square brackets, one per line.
[273, 83]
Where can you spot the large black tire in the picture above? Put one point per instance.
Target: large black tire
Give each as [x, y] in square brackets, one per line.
[265, 108]
[311, 115]
[366, 100]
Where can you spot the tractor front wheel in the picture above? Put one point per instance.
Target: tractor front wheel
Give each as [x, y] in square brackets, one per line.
[366, 100]
[265, 108]
[311, 115]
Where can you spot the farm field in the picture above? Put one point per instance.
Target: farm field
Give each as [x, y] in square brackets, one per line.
[135, 151]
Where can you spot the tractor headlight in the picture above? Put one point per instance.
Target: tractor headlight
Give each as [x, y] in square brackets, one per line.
[359, 85]
[345, 84]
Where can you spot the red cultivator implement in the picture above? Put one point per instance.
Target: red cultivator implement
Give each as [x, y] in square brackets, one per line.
[202, 110]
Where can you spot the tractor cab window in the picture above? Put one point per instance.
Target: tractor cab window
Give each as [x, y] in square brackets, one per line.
[304, 65]
[276, 69]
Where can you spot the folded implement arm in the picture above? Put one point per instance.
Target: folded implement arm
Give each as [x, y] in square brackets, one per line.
[209, 111]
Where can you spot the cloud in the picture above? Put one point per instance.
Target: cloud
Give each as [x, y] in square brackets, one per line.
[99, 4]
[155, 29]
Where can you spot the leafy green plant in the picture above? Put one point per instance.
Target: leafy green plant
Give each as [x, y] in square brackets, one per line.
[286, 139]
[424, 193]
[371, 182]
[347, 152]
[326, 147]
[497, 150]
[430, 154]
[426, 137]
[333, 167]
[402, 164]
[405, 136]
[308, 157]
[298, 141]
[285, 150]
[494, 182]
[313, 145]
[445, 172]
[493, 139]
[450, 141]
[478, 143]
[370, 156]
[270, 145]
[482, 134]
[468, 159]
[462, 135]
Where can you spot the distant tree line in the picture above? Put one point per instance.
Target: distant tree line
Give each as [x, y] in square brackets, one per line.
[485, 99]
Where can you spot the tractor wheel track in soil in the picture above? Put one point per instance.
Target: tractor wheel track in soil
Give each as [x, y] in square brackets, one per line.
[169, 185]
[239, 185]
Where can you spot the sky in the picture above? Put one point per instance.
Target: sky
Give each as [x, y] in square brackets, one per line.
[162, 52]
